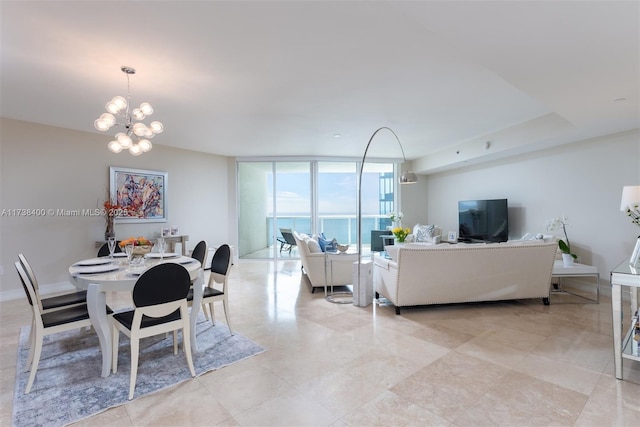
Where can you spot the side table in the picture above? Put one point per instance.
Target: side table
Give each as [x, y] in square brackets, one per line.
[331, 258]
[624, 275]
[576, 270]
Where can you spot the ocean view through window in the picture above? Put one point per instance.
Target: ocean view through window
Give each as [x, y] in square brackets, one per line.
[309, 197]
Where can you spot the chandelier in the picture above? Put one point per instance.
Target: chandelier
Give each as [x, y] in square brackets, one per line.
[132, 122]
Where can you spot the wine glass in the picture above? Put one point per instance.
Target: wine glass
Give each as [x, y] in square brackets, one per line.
[111, 243]
[161, 247]
[128, 249]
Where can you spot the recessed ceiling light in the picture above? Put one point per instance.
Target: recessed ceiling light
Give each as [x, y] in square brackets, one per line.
[337, 135]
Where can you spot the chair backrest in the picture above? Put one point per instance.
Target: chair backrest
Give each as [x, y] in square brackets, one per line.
[104, 249]
[28, 288]
[29, 271]
[287, 234]
[221, 260]
[200, 252]
[160, 284]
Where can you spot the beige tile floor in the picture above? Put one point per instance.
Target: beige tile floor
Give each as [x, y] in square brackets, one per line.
[509, 363]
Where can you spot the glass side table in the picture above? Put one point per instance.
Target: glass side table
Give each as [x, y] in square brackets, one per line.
[337, 260]
[623, 347]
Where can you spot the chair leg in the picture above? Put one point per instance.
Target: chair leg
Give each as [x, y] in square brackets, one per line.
[213, 315]
[37, 350]
[186, 341]
[175, 342]
[33, 326]
[205, 311]
[115, 338]
[135, 348]
[32, 339]
[225, 305]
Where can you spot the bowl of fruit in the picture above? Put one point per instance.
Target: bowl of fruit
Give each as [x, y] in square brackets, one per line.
[141, 245]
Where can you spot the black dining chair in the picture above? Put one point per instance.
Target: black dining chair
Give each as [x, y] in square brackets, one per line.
[104, 249]
[200, 252]
[56, 302]
[220, 267]
[47, 323]
[160, 300]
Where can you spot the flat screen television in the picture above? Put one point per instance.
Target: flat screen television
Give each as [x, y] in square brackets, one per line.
[483, 221]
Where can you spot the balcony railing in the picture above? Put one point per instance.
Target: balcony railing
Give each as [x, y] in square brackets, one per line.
[343, 227]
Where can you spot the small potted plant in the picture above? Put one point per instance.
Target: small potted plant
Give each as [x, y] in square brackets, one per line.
[565, 247]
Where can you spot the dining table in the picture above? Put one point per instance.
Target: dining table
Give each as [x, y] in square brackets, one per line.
[99, 276]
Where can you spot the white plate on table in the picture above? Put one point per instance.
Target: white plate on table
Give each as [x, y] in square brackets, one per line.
[94, 269]
[93, 261]
[119, 255]
[166, 255]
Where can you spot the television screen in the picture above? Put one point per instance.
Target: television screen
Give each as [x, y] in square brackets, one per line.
[483, 221]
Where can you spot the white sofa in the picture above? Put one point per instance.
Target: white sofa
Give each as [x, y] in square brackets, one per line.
[313, 264]
[442, 274]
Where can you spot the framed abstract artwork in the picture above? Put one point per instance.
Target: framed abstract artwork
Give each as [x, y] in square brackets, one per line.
[141, 194]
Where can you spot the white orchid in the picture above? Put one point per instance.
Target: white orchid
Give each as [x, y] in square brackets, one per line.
[396, 216]
[561, 223]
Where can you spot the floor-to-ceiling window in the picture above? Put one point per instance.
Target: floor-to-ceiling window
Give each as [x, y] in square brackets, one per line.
[309, 197]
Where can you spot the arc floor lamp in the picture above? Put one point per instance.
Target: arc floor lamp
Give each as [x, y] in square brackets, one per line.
[405, 178]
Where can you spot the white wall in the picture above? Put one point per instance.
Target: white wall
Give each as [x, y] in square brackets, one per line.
[582, 180]
[48, 167]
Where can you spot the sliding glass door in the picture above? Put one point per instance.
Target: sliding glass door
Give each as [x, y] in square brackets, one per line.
[309, 197]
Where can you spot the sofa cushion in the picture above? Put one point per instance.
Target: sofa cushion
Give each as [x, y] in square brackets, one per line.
[424, 233]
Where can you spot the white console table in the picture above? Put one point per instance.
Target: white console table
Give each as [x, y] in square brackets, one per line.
[576, 270]
[624, 275]
[171, 240]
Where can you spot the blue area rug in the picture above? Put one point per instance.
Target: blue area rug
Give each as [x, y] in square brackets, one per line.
[68, 386]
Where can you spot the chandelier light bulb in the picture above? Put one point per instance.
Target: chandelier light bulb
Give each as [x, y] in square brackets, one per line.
[156, 127]
[149, 133]
[101, 125]
[146, 108]
[140, 129]
[138, 114]
[119, 102]
[135, 150]
[144, 145]
[109, 119]
[124, 140]
[115, 147]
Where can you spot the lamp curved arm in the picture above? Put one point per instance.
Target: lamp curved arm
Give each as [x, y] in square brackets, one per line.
[408, 179]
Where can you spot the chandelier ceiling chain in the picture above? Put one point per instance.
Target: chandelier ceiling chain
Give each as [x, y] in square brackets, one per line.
[133, 124]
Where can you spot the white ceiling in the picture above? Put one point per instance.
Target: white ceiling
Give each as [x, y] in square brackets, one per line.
[280, 78]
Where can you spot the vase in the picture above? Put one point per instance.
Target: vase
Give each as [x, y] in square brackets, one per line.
[567, 260]
[108, 234]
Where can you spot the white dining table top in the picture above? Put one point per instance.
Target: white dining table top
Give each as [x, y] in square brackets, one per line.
[117, 270]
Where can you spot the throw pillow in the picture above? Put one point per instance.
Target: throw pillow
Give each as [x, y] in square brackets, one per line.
[314, 247]
[331, 246]
[323, 242]
[424, 233]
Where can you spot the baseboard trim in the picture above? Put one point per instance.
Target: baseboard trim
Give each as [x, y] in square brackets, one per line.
[52, 288]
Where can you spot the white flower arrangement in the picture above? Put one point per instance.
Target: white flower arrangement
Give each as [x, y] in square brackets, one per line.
[396, 216]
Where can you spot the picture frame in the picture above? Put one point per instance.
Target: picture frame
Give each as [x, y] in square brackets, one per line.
[452, 237]
[141, 194]
[635, 256]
